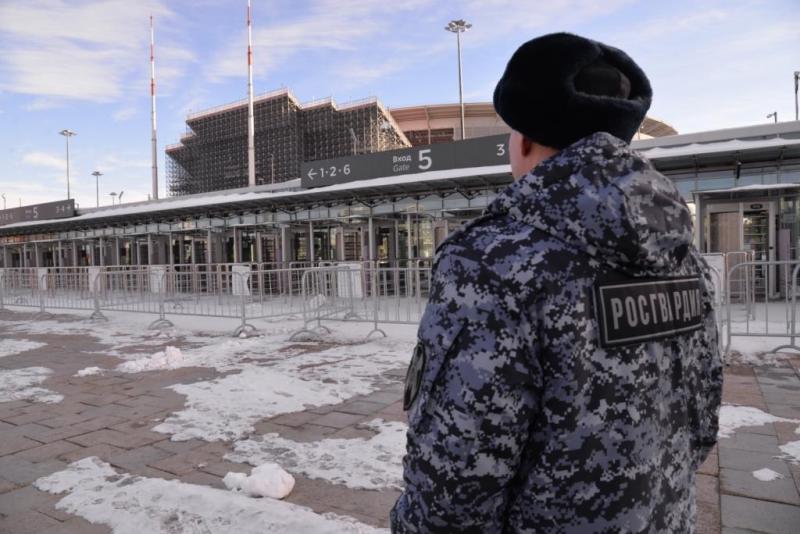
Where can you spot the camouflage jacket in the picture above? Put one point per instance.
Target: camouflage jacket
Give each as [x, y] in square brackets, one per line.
[567, 376]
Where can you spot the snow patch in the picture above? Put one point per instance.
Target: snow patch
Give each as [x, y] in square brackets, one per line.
[226, 408]
[21, 384]
[170, 358]
[767, 475]
[133, 505]
[733, 417]
[88, 371]
[266, 480]
[792, 450]
[373, 464]
[10, 347]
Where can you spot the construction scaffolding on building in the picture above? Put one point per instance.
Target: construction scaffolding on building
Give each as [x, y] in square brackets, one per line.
[212, 155]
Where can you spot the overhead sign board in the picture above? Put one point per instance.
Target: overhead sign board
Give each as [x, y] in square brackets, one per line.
[49, 210]
[478, 152]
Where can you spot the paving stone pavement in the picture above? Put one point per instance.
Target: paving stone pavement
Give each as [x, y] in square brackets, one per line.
[112, 415]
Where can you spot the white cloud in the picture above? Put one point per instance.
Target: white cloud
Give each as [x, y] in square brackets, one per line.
[43, 159]
[81, 50]
[124, 113]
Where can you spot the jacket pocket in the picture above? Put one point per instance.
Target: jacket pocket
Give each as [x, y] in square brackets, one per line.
[430, 376]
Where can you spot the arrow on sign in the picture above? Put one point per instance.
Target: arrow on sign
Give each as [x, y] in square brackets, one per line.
[311, 174]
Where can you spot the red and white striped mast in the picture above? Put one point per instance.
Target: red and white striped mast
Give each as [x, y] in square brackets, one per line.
[153, 110]
[251, 144]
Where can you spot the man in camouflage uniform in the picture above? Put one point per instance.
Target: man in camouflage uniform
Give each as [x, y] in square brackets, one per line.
[567, 375]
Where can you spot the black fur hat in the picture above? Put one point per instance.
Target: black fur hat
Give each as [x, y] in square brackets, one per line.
[560, 87]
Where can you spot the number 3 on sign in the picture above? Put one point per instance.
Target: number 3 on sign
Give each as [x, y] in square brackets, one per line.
[501, 149]
[424, 157]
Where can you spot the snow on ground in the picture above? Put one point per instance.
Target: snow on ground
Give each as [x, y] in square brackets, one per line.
[374, 463]
[226, 408]
[88, 371]
[266, 480]
[134, 505]
[22, 384]
[733, 417]
[792, 451]
[9, 347]
[169, 358]
[767, 475]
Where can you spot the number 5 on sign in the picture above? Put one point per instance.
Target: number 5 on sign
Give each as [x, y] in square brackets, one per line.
[424, 157]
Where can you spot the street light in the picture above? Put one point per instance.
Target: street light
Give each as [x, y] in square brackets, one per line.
[97, 175]
[119, 197]
[775, 115]
[113, 195]
[4, 200]
[67, 133]
[796, 83]
[458, 27]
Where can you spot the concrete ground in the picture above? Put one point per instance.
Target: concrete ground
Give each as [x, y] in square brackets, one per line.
[112, 416]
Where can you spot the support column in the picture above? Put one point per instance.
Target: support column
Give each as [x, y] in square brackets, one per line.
[371, 242]
[193, 244]
[59, 259]
[237, 245]
[74, 253]
[209, 248]
[6, 263]
[409, 244]
[150, 255]
[36, 262]
[259, 249]
[170, 249]
[181, 249]
[102, 253]
[116, 256]
[340, 244]
[285, 248]
[311, 257]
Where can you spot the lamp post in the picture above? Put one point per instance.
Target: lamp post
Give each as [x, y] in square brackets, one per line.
[458, 27]
[119, 197]
[4, 200]
[796, 83]
[97, 175]
[67, 133]
[113, 195]
[774, 115]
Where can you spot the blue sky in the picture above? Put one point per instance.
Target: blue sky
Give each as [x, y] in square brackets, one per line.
[84, 65]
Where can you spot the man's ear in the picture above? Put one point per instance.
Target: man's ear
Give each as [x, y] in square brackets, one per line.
[526, 145]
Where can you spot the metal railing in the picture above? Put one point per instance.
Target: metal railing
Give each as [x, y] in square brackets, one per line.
[764, 310]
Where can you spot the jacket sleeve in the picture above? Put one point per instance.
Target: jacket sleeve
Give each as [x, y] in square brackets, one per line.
[477, 402]
[708, 388]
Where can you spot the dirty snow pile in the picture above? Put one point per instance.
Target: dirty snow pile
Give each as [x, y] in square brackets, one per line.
[22, 384]
[133, 505]
[10, 347]
[358, 463]
[226, 408]
[169, 358]
[766, 475]
[266, 480]
[732, 417]
[89, 371]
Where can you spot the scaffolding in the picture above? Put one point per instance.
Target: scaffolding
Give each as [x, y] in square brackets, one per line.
[212, 155]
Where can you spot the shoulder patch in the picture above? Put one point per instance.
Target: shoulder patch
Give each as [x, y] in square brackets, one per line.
[416, 370]
[634, 310]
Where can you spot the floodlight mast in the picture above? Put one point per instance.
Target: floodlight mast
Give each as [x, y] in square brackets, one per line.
[153, 137]
[251, 145]
[67, 133]
[97, 175]
[458, 27]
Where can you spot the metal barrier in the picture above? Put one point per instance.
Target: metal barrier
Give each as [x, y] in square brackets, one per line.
[762, 302]
[366, 294]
